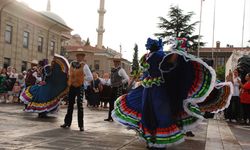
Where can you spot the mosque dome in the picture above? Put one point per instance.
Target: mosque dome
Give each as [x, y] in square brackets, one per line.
[54, 17]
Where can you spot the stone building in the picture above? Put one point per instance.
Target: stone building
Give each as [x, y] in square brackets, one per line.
[26, 34]
[220, 54]
[98, 59]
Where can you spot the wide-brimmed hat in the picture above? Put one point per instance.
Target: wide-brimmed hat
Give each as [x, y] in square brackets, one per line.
[116, 58]
[34, 61]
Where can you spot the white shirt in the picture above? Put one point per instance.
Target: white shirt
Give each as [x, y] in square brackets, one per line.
[88, 75]
[236, 87]
[13, 75]
[38, 79]
[124, 75]
[105, 81]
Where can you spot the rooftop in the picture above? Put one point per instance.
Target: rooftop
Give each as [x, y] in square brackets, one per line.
[54, 16]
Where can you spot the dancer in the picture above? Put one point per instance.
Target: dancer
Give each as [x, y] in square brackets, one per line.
[165, 106]
[46, 98]
[79, 71]
[118, 79]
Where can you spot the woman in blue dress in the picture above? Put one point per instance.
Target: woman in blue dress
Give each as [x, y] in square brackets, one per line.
[45, 97]
[165, 105]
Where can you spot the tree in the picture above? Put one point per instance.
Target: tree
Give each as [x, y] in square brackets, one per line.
[178, 25]
[87, 42]
[220, 72]
[135, 65]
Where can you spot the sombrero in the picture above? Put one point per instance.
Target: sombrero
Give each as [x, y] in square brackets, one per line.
[80, 54]
[116, 58]
[34, 61]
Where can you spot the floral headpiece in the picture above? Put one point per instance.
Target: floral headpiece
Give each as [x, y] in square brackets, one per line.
[180, 44]
[157, 44]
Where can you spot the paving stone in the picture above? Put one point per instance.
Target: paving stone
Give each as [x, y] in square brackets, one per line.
[26, 131]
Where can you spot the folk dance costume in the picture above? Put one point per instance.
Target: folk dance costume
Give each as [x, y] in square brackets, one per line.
[79, 72]
[46, 98]
[165, 106]
[118, 79]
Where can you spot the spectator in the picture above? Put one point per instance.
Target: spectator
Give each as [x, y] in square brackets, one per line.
[234, 109]
[15, 92]
[105, 94]
[3, 86]
[13, 73]
[245, 99]
[95, 88]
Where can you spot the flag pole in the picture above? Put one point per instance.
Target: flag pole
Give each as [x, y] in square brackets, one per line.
[243, 25]
[198, 51]
[213, 30]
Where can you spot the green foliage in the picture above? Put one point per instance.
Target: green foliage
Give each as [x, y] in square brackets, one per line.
[178, 25]
[220, 72]
[135, 65]
[87, 42]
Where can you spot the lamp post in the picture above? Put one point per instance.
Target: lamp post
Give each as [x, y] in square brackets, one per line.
[198, 51]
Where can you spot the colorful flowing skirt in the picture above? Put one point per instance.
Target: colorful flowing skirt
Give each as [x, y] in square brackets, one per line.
[46, 98]
[161, 112]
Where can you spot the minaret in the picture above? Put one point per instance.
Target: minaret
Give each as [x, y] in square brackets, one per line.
[100, 29]
[48, 5]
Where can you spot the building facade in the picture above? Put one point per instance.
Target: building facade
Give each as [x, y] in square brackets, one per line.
[219, 54]
[99, 60]
[26, 34]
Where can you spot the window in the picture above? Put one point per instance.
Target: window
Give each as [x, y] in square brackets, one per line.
[25, 39]
[8, 34]
[24, 65]
[97, 64]
[52, 47]
[40, 44]
[220, 61]
[6, 62]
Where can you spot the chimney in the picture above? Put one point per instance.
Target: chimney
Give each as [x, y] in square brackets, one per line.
[218, 44]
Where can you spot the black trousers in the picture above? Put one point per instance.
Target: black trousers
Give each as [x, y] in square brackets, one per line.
[234, 109]
[116, 92]
[73, 93]
[246, 111]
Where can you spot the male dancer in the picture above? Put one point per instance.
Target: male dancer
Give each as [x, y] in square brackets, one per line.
[79, 71]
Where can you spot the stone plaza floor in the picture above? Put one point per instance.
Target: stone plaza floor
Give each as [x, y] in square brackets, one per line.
[21, 130]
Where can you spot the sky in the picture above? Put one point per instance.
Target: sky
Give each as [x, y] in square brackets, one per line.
[127, 22]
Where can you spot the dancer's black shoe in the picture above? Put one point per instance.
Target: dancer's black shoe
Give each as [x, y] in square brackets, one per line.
[64, 126]
[109, 119]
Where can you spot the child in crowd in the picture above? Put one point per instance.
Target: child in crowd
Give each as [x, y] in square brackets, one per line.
[16, 91]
